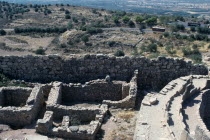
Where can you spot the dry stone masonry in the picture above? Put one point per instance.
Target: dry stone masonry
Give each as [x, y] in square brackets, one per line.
[153, 73]
[72, 111]
[174, 121]
[20, 106]
[71, 97]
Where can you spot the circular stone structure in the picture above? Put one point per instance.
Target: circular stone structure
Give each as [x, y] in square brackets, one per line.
[182, 111]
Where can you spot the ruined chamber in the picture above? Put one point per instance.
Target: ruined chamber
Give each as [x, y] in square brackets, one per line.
[20, 106]
[76, 110]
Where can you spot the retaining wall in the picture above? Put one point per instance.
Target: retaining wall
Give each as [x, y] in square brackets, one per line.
[152, 73]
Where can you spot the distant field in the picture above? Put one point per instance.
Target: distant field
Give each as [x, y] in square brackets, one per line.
[140, 6]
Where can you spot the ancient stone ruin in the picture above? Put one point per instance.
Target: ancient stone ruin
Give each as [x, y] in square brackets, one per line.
[183, 111]
[20, 106]
[71, 97]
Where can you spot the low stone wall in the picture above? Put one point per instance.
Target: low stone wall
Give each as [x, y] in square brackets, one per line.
[66, 130]
[25, 115]
[186, 90]
[202, 132]
[130, 100]
[14, 96]
[93, 91]
[153, 73]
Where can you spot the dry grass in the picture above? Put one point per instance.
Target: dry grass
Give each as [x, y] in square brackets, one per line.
[116, 136]
[126, 115]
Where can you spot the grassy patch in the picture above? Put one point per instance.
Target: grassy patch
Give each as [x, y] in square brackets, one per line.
[126, 115]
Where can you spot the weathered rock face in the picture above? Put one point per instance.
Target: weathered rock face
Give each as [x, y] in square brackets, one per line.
[152, 73]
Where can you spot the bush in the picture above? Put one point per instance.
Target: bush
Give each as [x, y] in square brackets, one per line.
[63, 46]
[94, 11]
[143, 26]
[126, 19]
[40, 51]
[119, 53]
[151, 21]
[2, 32]
[93, 30]
[170, 49]
[139, 19]
[131, 24]
[85, 39]
[116, 20]
[192, 29]
[166, 34]
[67, 17]
[111, 43]
[152, 48]
[70, 25]
[194, 46]
[197, 58]
[149, 48]
[67, 12]
[187, 51]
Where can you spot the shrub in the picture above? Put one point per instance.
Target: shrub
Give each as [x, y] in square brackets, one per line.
[149, 48]
[143, 26]
[85, 39]
[2, 32]
[63, 46]
[93, 30]
[119, 53]
[75, 20]
[116, 20]
[111, 43]
[151, 21]
[94, 11]
[194, 46]
[166, 34]
[131, 24]
[126, 19]
[40, 51]
[197, 58]
[67, 12]
[152, 48]
[170, 49]
[70, 25]
[139, 19]
[192, 29]
[67, 17]
[187, 51]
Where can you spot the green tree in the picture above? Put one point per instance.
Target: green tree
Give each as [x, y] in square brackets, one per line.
[85, 39]
[126, 19]
[116, 20]
[151, 21]
[139, 19]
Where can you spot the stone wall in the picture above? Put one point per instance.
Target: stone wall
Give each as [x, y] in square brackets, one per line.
[22, 115]
[152, 73]
[14, 96]
[93, 91]
[130, 100]
[201, 131]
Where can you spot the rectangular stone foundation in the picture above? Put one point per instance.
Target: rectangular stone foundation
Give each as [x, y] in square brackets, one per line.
[68, 129]
[20, 106]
